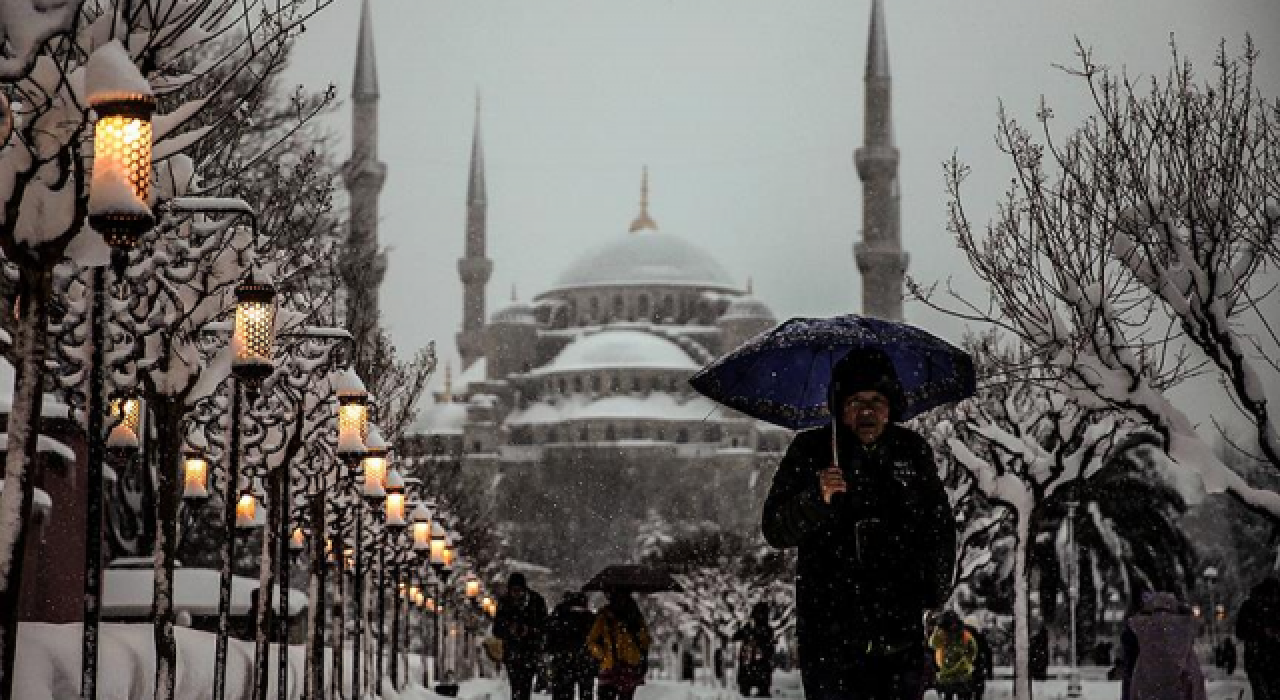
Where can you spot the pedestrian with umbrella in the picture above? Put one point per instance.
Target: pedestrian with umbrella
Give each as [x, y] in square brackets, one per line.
[856, 493]
[521, 624]
[619, 641]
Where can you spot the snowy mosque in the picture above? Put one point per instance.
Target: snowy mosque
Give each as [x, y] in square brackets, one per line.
[572, 414]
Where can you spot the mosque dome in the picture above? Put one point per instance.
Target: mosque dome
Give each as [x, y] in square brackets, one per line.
[442, 418]
[748, 308]
[645, 258]
[517, 312]
[620, 348]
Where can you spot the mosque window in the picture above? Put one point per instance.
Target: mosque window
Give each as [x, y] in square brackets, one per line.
[682, 436]
[615, 383]
[595, 384]
[712, 434]
[661, 435]
[577, 385]
[583, 435]
[564, 386]
[655, 384]
[618, 306]
[668, 310]
[642, 306]
[637, 431]
[733, 442]
[635, 384]
[553, 435]
[671, 385]
[594, 305]
[610, 433]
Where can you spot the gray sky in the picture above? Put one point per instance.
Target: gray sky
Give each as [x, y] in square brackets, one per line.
[747, 113]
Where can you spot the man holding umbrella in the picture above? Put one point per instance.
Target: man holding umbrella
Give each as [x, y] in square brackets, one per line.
[861, 499]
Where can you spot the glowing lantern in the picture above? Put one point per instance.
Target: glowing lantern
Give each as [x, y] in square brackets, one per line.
[195, 475]
[375, 465]
[414, 593]
[297, 540]
[254, 328]
[247, 508]
[446, 558]
[353, 415]
[120, 190]
[438, 544]
[394, 509]
[431, 605]
[421, 527]
[472, 587]
[126, 413]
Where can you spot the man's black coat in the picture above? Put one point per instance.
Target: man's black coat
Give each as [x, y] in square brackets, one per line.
[877, 556]
[521, 629]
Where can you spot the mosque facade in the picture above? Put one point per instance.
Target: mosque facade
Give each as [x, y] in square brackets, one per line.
[572, 413]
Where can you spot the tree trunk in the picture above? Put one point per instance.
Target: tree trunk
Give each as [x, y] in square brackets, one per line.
[395, 631]
[167, 412]
[266, 584]
[1022, 611]
[30, 343]
[229, 497]
[317, 603]
[339, 617]
[379, 663]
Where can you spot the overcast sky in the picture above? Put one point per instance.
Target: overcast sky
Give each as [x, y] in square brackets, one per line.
[747, 113]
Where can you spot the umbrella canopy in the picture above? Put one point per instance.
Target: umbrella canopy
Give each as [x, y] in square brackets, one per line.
[632, 578]
[783, 376]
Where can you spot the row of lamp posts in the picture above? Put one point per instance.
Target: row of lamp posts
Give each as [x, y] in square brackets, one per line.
[122, 155]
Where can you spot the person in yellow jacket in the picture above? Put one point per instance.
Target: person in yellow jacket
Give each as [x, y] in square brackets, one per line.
[619, 642]
[955, 652]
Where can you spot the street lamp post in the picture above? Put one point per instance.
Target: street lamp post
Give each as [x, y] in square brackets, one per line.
[1074, 689]
[1211, 579]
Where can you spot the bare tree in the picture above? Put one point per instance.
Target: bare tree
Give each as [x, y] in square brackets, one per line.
[1134, 254]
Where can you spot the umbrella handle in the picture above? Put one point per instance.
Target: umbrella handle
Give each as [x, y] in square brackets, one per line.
[835, 447]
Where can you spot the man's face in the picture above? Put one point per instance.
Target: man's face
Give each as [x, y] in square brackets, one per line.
[866, 413]
[519, 595]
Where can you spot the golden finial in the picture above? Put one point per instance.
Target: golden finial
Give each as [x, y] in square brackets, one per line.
[643, 221]
[448, 382]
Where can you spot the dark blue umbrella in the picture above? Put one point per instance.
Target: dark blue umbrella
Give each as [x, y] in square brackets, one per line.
[783, 376]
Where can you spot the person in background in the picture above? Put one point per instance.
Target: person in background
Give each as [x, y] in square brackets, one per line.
[1038, 656]
[1258, 627]
[1228, 656]
[755, 655]
[1159, 653]
[520, 624]
[619, 642]
[572, 666]
[875, 536]
[955, 653]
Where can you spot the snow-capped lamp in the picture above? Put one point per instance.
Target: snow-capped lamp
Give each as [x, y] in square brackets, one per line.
[375, 465]
[471, 587]
[297, 540]
[247, 506]
[126, 415]
[431, 605]
[195, 475]
[420, 527]
[438, 545]
[394, 508]
[120, 190]
[446, 559]
[254, 330]
[415, 594]
[490, 605]
[353, 415]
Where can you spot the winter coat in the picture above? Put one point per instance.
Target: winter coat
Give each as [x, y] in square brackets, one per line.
[1258, 627]
[1164, 666]
[984, 667]
[874, 558]
[521, 629]
[613, 644]
[954, 658]
[620, 651]
[567, 631]
[756, 653]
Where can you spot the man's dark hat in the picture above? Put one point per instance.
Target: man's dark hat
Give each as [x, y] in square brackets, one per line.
[516, 580]
[866, 370]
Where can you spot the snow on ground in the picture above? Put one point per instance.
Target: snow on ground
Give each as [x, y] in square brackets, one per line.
[48, 668]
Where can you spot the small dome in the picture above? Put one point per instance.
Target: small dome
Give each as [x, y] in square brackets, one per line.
[619, 348]
[645, 258]
[517, 312]
[747, 307]
[440, 419]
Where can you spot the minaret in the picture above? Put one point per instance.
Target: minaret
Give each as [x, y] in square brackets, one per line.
[643, 222]
[474, 268]
[879, 255]
[364, 175]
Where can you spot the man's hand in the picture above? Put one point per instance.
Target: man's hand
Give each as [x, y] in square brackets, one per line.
[831, 480]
